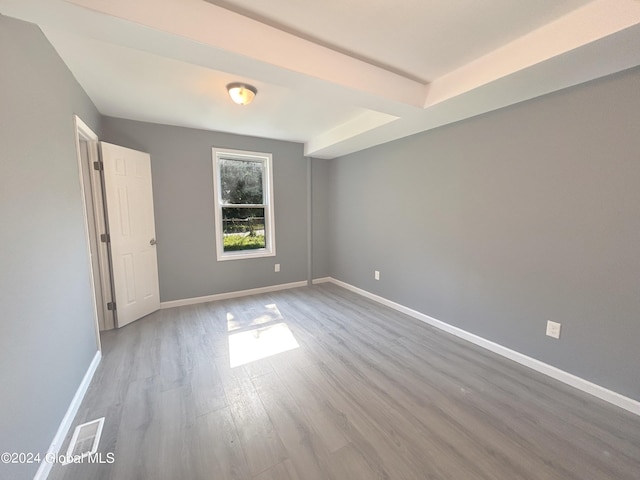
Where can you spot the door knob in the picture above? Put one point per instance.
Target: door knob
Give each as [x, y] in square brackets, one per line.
[152, 241]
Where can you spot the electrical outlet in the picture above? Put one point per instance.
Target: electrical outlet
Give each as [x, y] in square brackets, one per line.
[277, 267]
[553, 329]
[376, 275]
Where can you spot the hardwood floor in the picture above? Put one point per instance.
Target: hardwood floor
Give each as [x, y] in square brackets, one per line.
[368, 393]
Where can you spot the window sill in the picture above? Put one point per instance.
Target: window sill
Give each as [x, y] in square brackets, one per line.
[244, 254]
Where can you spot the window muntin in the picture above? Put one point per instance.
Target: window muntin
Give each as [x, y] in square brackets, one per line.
[244, 204]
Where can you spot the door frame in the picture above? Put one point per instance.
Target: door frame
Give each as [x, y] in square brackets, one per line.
[101, 281]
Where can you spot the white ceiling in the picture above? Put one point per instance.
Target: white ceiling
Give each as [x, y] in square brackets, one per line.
[420, 39]
[337, 75]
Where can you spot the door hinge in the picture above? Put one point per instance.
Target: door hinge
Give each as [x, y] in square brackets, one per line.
[105, 237]
[98, 166]
[111, 306]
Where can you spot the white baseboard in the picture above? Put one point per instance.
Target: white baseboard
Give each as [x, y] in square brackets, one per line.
[224, 296]
[316, 281]
[67, 420]
[586, 386]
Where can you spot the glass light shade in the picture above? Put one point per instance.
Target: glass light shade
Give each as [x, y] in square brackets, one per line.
[241, 93]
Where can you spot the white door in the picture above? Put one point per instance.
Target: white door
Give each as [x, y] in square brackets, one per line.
[132, 231]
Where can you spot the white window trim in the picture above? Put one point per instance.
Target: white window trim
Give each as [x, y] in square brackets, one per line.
[270, 238]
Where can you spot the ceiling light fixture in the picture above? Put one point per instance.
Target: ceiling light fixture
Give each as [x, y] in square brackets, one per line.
[242, 93]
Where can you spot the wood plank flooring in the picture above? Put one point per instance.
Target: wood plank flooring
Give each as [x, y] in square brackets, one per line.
[368, 394]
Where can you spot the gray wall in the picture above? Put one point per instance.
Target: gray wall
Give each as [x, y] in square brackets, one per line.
[47, 336]
[504, 221]
[182, 171]
[321, 220]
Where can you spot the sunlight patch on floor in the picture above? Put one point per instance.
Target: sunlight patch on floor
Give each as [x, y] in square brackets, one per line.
[260, 333]
[251, 345]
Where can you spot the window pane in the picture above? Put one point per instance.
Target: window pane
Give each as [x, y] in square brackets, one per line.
[244, 204]
[241, 182]
[243, 228]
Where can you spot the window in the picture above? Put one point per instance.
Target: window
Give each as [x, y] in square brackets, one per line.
[243, 189]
